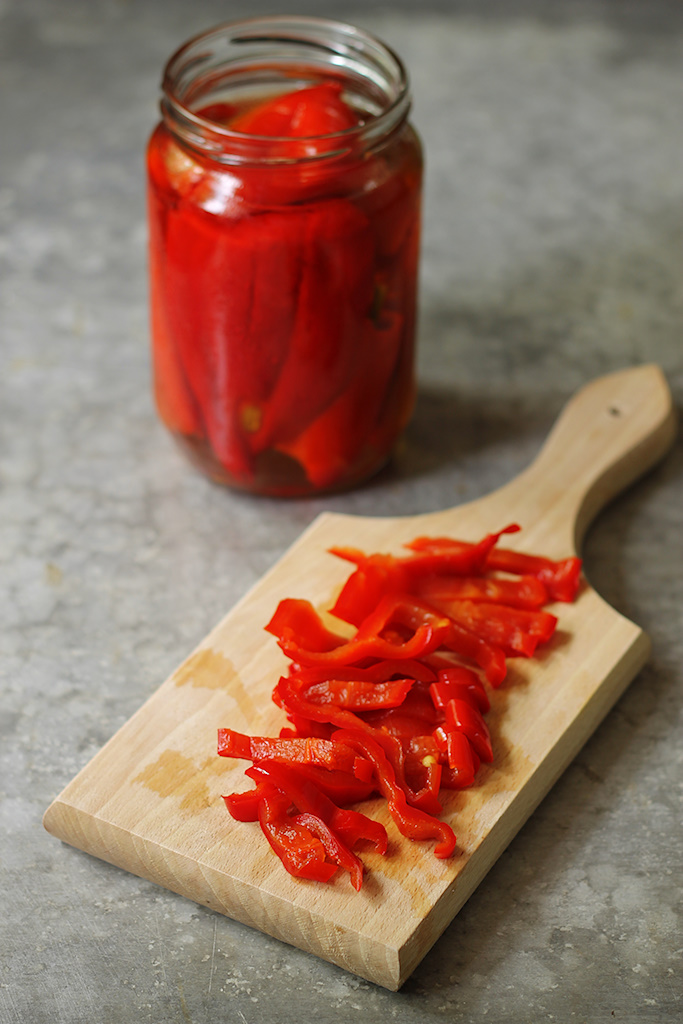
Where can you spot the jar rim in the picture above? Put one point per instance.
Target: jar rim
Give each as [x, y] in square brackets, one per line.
[347, 42]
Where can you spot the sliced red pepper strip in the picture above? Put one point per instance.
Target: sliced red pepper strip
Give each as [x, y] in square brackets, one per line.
[301, 726]
[379, 672]
[290, 694]
[457, 682]
[351, 826]
[463, 762]
[560, 578]
[335, 849]
[456, 558]
[341, 787]
[462, 716]
[305, 750]
[526, 592]
[358, 695]
[425, 797]
[379, 575]
[423, 772]
[411, 822]
[489, 657]
[416, 716]
[330, 649]
[302, 854]
[376, 576]
[516, 630]
[298, 618]
[244, 806]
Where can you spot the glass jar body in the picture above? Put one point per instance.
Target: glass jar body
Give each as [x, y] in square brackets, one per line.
[283, 281]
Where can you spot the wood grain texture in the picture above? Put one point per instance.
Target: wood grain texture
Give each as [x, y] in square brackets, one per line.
[150, 800]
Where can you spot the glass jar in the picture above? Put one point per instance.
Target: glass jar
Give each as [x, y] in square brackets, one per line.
[284, 214]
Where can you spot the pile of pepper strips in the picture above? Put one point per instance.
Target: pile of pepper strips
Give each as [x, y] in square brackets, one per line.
[392, 709]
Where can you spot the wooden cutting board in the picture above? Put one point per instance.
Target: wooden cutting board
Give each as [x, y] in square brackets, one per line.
[150, 801]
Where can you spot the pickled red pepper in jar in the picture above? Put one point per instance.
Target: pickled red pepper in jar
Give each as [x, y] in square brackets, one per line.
[284, 215]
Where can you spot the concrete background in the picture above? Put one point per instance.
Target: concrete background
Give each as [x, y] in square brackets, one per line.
[552, 254]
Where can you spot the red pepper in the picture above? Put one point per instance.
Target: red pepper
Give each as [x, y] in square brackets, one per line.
[452, 557]
[302, 113]
[411, 822]
[358, 695]
[341, 787]
[351, 826]
[516, 630]
[346, 432]
[561, 579]
[403, 725]
[466, 719]
[423, 772]
[243, 285]
[489, 657]
[296, 624]
[333, 293]
[380, 575]
[462, 761]
[379, 672]
[309, 750]
[459, 682]
[526, 592]
[290, 695]
[335, 849]
[301, 853]
[244, 806]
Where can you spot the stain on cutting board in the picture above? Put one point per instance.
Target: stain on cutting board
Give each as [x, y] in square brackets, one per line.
[207, 668]
[173, 774]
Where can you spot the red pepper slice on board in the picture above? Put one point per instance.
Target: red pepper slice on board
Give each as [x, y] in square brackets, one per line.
[423, 772]
[301, 853]
[459, 681]
[466, 719]
[296, 623]
[379, 672]
[411, 822]
[305, 750]
[488, 656]
[561, 578]
[290, 694]
[335, 849]
[526, 592]
[462, 761]
[358, 695]
[341, 787]
[351, 826]
[297, 619]
[516, 630]
[244, 806]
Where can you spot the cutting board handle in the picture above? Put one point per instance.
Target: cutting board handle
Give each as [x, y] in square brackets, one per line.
[609, 433]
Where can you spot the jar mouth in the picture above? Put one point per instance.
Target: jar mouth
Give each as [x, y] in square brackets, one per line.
[284, 48]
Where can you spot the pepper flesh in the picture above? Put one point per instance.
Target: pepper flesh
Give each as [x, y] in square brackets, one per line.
[283, 293]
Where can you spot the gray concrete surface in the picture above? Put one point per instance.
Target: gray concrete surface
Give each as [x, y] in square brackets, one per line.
[552, 253]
